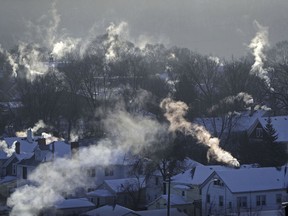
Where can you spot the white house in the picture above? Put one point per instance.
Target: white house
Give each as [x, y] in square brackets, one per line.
[238, 192]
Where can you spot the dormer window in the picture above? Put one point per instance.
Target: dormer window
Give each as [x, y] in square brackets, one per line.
[259, 132]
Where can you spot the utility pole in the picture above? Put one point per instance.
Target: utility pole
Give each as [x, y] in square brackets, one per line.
[168, 199]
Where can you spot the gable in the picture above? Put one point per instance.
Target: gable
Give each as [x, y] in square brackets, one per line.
[280, 124]
[12, 159]
[257, 132]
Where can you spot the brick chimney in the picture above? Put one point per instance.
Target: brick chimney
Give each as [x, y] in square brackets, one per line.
[75, 148]
[42, 144]
[17, 147]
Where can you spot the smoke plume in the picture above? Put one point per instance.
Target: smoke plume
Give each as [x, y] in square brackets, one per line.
[226, 104]
[175, 112]
[4, 147]
[38, 125]
[257, 45]
[125, 133]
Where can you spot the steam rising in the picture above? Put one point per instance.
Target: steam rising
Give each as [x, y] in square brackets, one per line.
[38, 125]
[4, 147]
[257, 45]
[65, 175]
[229, 101]
[175, 111]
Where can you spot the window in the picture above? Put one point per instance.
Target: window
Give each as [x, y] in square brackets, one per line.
[24, 172]
[109, 171]
[183, 193]
[279, 198]
[242, 202]
[218, 182]
[261, 200]
[208, 198]
[259, 132]
[221, 201]
[14, 169]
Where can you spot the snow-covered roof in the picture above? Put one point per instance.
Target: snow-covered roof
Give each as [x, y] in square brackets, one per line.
[161, 212]
[240, 122]
[181, 187]
[120, 185]
[254, 179]
[26, 148]
[196, 175]
[175, 199]
[280, 124]
[100, 193]
[110, 210]
[74, 203]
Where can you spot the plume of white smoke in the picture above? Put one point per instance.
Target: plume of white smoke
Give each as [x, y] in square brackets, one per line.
[74, 136]
[8, 150]
[49, 138]
[67, 45]
[175, 112]
[41, 35]
[64, 175]
[113, 33]
[257, 45]
[38, 125]
[10, 60]
[242, 97]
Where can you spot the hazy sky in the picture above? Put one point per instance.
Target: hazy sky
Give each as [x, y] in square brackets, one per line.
[219, 27]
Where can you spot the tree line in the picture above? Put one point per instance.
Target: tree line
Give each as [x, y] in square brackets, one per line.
[82, 88]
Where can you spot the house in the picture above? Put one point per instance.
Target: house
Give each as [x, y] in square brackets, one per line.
[24, 148]
[185, 192]
[280, 124]
[117, 168]
[231, 128]
[258, 191]
[176, 201]
[42, 153]
[128, 192]
[69, 207]
[21, 149]
[119, 210]
[235, 122]
[155, 184]
[111, 210]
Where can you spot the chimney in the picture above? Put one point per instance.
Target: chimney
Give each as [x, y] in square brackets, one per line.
[42, 144]
[74, 148]
[17, 147]
[29, 135]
